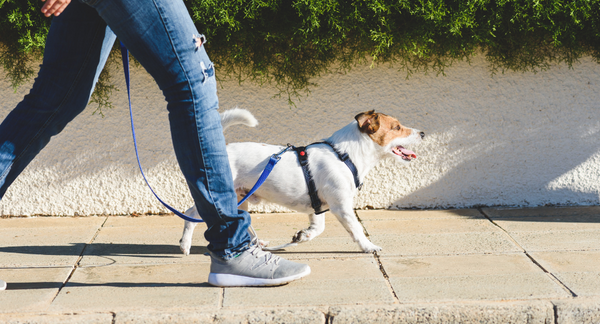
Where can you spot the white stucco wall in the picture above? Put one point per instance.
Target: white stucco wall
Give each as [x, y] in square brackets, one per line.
[513, 139]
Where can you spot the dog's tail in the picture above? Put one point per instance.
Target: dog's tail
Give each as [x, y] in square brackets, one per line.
[237, 116]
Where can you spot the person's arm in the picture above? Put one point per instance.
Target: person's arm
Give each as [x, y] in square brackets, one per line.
[54, 7]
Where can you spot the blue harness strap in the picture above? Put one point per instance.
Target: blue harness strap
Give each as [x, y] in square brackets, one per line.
[272, 161]
[263, 176]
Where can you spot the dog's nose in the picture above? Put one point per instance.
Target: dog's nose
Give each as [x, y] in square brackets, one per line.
[422, 135]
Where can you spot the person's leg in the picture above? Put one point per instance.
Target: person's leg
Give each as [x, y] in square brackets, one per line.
[77, 47]
[162, 37]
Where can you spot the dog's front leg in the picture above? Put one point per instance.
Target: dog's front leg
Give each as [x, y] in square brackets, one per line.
[348, 219]
[317, 226]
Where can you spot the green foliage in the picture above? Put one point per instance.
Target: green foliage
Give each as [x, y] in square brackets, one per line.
[22, 38]
[288, 43]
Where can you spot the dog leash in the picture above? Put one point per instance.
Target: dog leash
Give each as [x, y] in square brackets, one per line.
[263, 177]
[268, 168]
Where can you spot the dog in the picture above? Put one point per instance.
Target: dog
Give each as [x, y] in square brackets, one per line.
[368, 139]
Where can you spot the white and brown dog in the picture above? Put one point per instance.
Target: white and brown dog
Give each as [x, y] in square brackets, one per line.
[367, 140]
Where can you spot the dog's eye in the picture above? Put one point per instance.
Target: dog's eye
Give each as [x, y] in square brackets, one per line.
[397, 128]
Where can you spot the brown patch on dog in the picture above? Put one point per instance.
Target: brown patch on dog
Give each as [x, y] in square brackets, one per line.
[381, 128]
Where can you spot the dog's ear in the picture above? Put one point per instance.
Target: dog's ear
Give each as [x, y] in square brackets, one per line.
[368, 122]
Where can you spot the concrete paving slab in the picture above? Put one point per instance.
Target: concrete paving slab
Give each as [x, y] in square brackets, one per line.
[322, 248]
[332, 282]
[287, 315]
[45, 241]
[334, 242]
[546, 219]
[104, 318]
[531, 312]
[143, 240]
[419, 214]
[464, 231]
[52, 222]
[558, 240]
[444, 243]
[144, 221]
[469, 277]
[155, 287]
[550, 229]
[550, 223]
[583, 284]
[569, 261]
[505, 213]
[578, 270]
[428, 226]
[283, 226]
[578, 311]
[30, 289]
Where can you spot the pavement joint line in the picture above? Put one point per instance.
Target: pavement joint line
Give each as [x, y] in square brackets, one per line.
[530, 257]
[381, 268]
[76, 265]
[221, 298]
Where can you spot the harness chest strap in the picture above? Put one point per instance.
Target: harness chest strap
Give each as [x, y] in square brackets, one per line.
[346, 159]
[310, 183]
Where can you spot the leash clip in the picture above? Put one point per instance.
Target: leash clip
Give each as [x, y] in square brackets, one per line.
[277, 156]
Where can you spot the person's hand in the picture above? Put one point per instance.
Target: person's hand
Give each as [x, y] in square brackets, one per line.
[54, 7]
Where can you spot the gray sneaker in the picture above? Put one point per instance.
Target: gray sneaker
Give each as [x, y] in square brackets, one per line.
[254, 267]
[2, 285]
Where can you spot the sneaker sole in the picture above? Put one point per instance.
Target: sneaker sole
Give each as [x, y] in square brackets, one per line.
[229, 280]
[2, 285]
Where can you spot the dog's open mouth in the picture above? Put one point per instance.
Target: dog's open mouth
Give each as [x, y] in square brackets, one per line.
[405, 154]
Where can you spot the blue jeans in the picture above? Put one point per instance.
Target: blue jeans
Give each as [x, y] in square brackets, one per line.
[161, 36]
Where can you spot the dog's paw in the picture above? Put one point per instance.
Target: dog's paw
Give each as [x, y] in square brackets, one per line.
[185, 246]
[301, 236]
[370, 248]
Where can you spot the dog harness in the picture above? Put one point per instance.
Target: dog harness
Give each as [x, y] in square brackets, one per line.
[315, 202]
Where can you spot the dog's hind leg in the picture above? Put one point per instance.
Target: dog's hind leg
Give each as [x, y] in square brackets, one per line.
[185, 243]
[317, 226]
[348, 219]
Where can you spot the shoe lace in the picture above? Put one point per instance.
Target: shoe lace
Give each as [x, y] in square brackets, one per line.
[256, 250]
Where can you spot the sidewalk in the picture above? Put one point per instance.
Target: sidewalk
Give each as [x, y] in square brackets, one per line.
[487, 265]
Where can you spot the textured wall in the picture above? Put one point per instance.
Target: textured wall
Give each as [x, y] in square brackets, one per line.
[513, 139]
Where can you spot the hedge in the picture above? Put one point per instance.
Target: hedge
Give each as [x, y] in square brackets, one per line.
[287, 43]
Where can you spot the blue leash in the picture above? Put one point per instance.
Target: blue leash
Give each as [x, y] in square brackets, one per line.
[272, 161]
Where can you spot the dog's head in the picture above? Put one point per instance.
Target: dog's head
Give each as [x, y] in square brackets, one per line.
[389, 134]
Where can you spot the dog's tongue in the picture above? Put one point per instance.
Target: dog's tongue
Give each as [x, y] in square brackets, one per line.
[406, 153]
